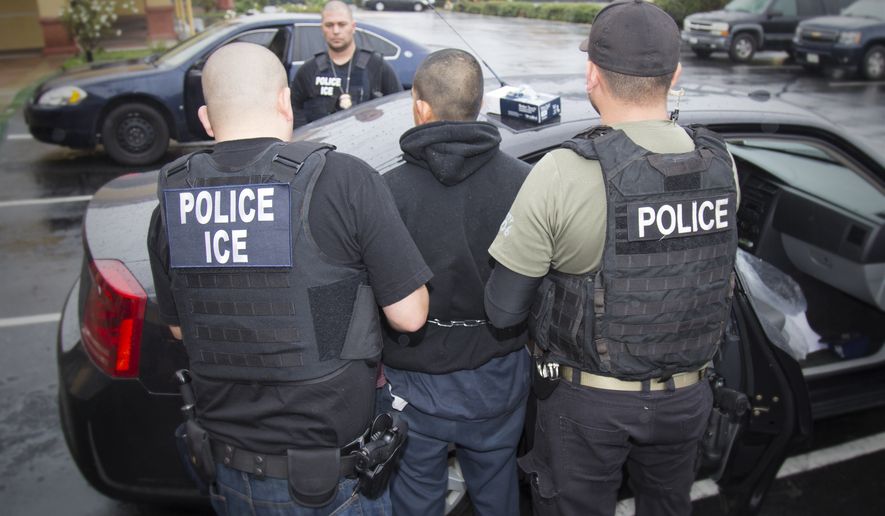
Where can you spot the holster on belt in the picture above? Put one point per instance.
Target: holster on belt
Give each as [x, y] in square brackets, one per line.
[313, 475]
[544, 381]
[199, 450]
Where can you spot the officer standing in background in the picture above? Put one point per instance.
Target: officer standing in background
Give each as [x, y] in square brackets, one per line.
[460, 381]
[629, 231]
[270, 260]
[341, 76]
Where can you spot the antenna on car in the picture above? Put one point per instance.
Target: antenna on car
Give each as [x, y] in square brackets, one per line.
[483, 61]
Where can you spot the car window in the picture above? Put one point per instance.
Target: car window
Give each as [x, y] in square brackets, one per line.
[309, 42]
[866, 9]
[187, 49]
[785, 7]
[376, 43]
[271, 39]
[747, 6]
[814, 169]
[810, 7]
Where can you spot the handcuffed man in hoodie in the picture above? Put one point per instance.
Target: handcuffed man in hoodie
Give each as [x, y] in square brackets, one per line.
[458, 380]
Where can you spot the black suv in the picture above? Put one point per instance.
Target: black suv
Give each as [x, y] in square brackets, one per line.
[744, 26]
[854, 40]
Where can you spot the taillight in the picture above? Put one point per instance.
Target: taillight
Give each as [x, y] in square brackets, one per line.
[113, 318]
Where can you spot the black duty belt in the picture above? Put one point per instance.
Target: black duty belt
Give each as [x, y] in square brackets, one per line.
[276, 466]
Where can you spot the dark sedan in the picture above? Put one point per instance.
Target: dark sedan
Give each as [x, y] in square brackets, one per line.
[134, 108]
[398, 5]
[813, 204]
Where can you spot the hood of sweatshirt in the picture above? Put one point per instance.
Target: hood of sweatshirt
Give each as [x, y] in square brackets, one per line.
[452, 151]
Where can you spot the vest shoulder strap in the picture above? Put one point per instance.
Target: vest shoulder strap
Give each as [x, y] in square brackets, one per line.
[322, 60]
[582, 143]
[298, 152]
[370, 61]
[706, 138]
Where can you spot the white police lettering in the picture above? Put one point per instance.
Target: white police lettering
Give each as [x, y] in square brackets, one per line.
[209, 208]
[327, 85]
[265, 203]
[223, 218]
[679, 218]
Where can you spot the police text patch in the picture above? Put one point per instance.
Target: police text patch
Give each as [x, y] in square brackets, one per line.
[656, 221]
[229, 226]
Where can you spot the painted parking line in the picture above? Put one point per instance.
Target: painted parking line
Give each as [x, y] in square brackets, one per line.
[49, 200]
[792, 466]
[19, 137]
[11, 322]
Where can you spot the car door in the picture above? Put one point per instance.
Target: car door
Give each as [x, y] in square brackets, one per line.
[812, 210]
[276, 39]
[780, 22]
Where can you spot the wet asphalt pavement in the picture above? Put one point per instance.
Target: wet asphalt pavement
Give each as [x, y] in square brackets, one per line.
[41, 253]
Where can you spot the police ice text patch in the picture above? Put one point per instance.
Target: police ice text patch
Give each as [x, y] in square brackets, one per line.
[656, 221]
[229, 226]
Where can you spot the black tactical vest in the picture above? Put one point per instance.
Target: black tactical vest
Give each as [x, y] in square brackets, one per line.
[256, 299]
[364, 83]
[659, 302]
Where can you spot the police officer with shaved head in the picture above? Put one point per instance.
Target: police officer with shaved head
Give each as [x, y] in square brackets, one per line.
[342, 75]
[619, 249]
[270, 260]
[460, 381]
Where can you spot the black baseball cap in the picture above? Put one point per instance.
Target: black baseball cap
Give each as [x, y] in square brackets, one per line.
[634, 37]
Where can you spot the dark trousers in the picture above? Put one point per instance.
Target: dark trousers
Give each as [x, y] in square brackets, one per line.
[486, 452]
[585, 436]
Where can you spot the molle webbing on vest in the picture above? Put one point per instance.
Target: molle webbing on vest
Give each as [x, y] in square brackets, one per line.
[658, 304]
[277, 360]
[263, 323]
[657, 349]
[697, 254]
[664, 307]
[237, 280]
[250, 335]
[668, 282]
[258, 309]
[231, 180]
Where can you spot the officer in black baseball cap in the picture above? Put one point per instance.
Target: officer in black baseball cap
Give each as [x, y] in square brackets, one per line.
[626, 300]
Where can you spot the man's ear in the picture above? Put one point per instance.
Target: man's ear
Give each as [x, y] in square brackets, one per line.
[203, 115]
[424, 112]
[592, 76]
[284, 104]
[676, 75]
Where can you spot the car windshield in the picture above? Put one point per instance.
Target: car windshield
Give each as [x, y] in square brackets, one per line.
[747, 6]
[192, 46]
[866, 9]
[815, 170]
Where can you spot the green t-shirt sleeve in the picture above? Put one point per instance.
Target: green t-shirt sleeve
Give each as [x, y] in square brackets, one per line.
[557, 220]
[524, 243]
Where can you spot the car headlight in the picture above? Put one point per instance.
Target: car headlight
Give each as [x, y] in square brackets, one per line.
[849, 38]
[719, 29]
[63, 96]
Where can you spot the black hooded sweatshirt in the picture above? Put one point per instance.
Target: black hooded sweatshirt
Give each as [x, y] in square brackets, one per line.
[453, 192]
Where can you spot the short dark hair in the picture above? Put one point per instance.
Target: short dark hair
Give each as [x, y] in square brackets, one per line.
[450, 80]
[637, 90]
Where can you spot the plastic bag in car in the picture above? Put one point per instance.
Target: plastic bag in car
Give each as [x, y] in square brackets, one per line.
[779, 304]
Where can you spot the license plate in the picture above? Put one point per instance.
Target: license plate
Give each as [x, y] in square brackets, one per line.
[812, 58]
[692, 40]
